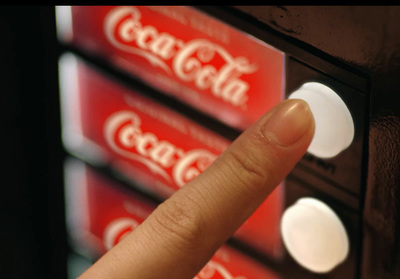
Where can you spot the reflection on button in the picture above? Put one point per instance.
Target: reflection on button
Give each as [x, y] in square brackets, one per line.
[334, 127]
[314, 235]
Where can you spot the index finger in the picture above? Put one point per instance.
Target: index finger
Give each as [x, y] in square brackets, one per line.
[183, 233]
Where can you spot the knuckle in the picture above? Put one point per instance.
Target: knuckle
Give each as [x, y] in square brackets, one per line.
[253, 164]
[181, 222]
[248, 164]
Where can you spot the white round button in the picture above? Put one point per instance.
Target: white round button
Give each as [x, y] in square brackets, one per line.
[334, 127]
[314, 235]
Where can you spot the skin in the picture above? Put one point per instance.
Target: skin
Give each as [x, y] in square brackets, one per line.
[183, 233]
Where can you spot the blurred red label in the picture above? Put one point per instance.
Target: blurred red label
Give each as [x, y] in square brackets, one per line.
[159, 147]
[107, 213]
[149, 143]
[185, 53]
[99, 212]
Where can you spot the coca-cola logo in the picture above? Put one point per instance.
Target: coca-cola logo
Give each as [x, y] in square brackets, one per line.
[214, 269]
[196, 61]
[117, 230]
[123, 134]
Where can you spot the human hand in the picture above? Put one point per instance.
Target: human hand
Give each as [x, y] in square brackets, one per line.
[184, 232]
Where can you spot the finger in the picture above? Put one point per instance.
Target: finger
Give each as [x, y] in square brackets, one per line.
[183, 233]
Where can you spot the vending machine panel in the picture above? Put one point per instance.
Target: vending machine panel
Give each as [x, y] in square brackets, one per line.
[144, 88]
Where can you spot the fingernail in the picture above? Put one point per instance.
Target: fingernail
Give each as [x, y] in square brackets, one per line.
[289, 123]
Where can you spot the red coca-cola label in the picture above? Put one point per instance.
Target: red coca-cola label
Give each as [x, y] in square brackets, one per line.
[176, 165]
[152, 145]
[107, 213]
[186, 53]
[100, 212]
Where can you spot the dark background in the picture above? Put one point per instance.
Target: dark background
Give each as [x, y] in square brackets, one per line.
[32, 230]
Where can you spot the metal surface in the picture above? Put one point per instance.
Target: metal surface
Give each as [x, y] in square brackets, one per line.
[365, 38]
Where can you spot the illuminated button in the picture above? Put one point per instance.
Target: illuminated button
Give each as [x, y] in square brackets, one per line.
[334, 127]
[314, 235]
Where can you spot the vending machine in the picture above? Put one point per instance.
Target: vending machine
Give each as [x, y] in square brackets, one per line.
[155, 94]
[150, 96]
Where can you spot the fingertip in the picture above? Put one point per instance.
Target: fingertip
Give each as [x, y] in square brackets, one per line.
[290, 121]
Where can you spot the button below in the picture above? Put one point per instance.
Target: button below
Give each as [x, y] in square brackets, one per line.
[334, 127]
[314, 235]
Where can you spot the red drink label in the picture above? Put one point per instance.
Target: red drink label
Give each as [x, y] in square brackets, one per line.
[101, 214]
[158, 146]
[149, 143]
[185, 53]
